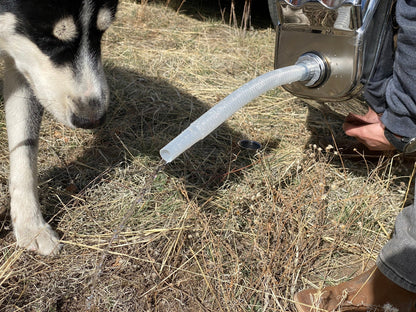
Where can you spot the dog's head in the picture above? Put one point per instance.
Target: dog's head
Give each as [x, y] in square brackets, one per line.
[55, 45]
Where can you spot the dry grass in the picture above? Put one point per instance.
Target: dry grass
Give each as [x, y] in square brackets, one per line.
[221, 229]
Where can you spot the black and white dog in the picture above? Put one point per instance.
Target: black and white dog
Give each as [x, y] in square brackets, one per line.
[53, 61]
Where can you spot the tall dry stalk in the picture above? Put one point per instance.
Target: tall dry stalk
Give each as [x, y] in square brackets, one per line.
[233, 17]
[222, 11]
[246, 18]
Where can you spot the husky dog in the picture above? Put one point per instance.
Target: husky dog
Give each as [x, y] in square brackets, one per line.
[53, 61]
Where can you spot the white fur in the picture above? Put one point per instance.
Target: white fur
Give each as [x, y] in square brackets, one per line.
[39, 71]
[7, 24]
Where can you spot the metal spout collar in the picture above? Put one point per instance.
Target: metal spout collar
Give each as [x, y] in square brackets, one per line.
[317, 67]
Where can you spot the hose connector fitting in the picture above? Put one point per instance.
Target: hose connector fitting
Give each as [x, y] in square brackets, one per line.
[316, 66]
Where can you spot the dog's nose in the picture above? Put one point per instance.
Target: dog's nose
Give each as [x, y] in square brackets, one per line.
[89, 113]
[87, 122]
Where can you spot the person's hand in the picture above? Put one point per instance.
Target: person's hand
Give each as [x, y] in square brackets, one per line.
[367, 129]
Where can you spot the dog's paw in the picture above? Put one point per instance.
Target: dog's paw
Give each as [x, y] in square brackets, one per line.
[40, 239]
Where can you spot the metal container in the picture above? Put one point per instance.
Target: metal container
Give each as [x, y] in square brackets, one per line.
[346, 34]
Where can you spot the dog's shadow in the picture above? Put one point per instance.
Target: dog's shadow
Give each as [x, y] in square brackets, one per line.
[145, 114]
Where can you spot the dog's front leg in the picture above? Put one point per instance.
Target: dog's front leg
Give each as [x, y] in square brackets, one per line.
[23, 118]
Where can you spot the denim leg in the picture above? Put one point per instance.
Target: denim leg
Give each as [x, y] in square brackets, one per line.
[397, 259]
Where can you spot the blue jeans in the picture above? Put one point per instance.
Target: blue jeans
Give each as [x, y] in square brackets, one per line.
[392, 92]
[397, 258]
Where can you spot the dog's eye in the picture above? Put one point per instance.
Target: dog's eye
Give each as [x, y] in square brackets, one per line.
[65, 29]
[104, 18]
